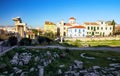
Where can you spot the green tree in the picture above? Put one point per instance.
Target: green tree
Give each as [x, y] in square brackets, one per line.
[35, 31]
[44, 40]
[113, 23]
[50, 35]
[25, 41]
[12, 41]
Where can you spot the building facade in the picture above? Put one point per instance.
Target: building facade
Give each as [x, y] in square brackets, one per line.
[63, 27]
[99, 28]
[50, 27]
[76, 31]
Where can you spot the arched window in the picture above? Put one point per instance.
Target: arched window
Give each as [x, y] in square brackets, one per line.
[97, 28]
[91, 28]
[88, 27]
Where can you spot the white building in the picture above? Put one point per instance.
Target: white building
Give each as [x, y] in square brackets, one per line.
[99, 28]
[76, 31]
[63, 27]
[9, 29]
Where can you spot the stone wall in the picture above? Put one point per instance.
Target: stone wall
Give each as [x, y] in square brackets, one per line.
[93, 38]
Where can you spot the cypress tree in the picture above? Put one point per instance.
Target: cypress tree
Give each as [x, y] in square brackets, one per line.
[113, 23]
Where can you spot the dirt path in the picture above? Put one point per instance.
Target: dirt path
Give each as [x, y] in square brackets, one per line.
[117, 49]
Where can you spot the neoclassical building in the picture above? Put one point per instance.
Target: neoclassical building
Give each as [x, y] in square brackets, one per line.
[87, 29]
[99, 28]
[65, 28]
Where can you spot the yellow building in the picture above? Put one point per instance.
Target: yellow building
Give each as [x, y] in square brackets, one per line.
[50, 27]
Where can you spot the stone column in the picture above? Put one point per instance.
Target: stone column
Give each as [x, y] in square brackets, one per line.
[62, 30]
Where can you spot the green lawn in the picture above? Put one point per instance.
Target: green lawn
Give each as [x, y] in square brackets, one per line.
[52, 68]
[94, 43]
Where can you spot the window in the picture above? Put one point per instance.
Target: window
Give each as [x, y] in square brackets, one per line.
[69, 30]
[101, 28]
[88, 27]
[83, 35]
[97, 28]
[101, 22]
[83, 30]
[91, 28]
[79, 30]
[106, 28]
[75, 30]
[94, 29]
[97, 32]
[103, 33]
[110, 28]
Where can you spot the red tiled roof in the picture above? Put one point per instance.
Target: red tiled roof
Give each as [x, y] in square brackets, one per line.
[77, 27]
[91, 23]
[72, 18]
[29, 32]
[67, 24]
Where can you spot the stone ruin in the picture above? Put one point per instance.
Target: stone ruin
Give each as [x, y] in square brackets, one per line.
[21, 59]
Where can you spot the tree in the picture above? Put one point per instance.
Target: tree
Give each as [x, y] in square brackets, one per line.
[113, 23]
[44, 40]
[12, 41]
[117, 30]
[35, 31]
[25, 41]
[50, 35]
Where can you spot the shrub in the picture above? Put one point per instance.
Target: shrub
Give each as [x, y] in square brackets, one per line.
[50, 35]
[1, 39]
[44, 40]
[25, 41]
[12, 41]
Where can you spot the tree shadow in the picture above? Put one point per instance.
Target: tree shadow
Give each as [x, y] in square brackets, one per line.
[107, 46]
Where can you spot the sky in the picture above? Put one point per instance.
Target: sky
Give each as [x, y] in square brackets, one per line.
[36, 12]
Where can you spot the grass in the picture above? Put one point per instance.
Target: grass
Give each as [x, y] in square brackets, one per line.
[94, 43]
[70, 56]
